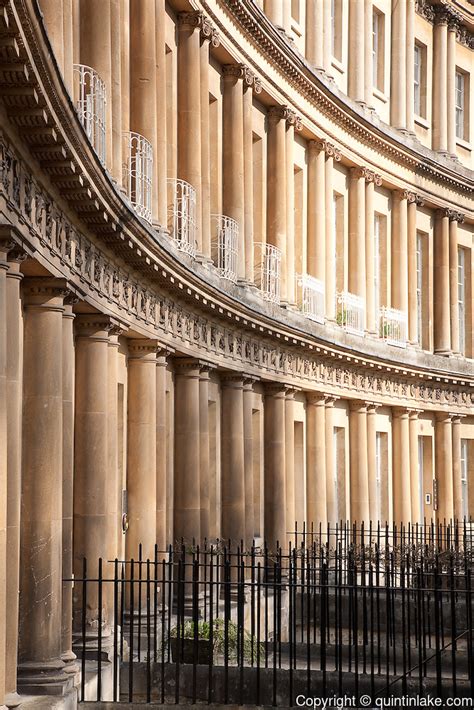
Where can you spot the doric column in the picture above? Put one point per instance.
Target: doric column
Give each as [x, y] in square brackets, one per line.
[187, 507]
[161, 138]
[248, 175]
[3, 463]
[143, 81]
[316, 460]
[115, 484]
[371, 462]
[442, 335]
[161, 458]
[141, 448]
[233, 474]
[410, 65]
[357, 282]
[331, 506]
[401, 483]
[248, 461]
[14, 380]
[316, 247]
[290, 461]
[368, 58]
[274, 465]
[371, 179]
[413, 335]
[398, 66]
[453, 24]
[276, 187]
[444, 466]
[332, 154]
[360, 509]
[116, 90]
[416, 513]
[189, 107]
[52, 11]
[453, 280]
[440, 84]
[356, 75]
[399, 285]
[233, 153]
[40, 661]
[290, 209]
[457, 486]
[314, 50]
[204, 483]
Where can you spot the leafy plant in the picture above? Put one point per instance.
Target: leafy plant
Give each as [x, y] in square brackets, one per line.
[250, 644]
[341, 317]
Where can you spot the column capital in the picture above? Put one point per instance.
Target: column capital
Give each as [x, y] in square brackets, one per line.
[413, 198]
[357, 405]
[275, 389]
[45, 291]
[249, 381]
[454, 216]
[399, 412]
[205, 369]
[142, 349]
[329, 148]
[317, 399]
[243, 71]
[443, 212]
[331, 400]
[187, 366]
[234, 380]
[277, 113]
[372, 176]
[456, 418]
[95, 325]
[209, 32]
[444, 417]
[442, 15]
[414, 413]
[372, 407]
[17, 254]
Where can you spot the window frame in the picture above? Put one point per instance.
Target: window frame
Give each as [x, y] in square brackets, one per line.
[461, 104]
[419, 106]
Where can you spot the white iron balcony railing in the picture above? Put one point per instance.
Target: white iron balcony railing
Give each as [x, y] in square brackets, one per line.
[224, 245]
[182, 214]
[138, 172]
[267, 271]
[350, 312]
[91, 102]
[310, 296]
[393, 326]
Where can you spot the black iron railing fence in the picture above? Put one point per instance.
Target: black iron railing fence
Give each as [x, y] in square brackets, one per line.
[379, 612]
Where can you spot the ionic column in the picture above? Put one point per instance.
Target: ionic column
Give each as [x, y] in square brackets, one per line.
[187, 507]
[316, 246]
[316, 460]
[457, 487]
[399, 285]
[52, 11]
[274, 12]
[356, 75]
[276, 187]
[401, 466]
[444, 466]
[290, 209]
[327, 37]
[124, 63]
[204, 483]
[332, 154]
[290, 462]
[161, 459]
[416, 513]
[205, 146]
[410, 65]
[398, 66]
[451, 84]
[360, 509]
[453, 282]
[116, 90]
[370, 315]
[189, 107]
[314, 50]
[440, 79]
[274, 466]
[441, 324]
[233, 154]
[96, 51]
[40, 643]
[368, 60]
[413, 335]
[13, 320]
[248, 461]
[248, 177]
[68, 34]
[233, 473]
[371, 467]
[161, 138]
[357, 283]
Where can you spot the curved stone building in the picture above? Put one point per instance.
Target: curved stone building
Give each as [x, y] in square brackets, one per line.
[236, 282]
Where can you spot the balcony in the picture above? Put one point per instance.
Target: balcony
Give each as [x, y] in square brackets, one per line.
[350, 312]
[310, 297]
[138, 173]
[267, 271]
[90, 106]
[182, 214]
[393, 326]
[224, 245]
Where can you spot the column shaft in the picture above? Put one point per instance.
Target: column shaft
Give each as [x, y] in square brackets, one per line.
[248, 462]
[290, 463]
[356, 76]
[442, 334]
[331, 505]
[248, 183]
[451, 89]
[371, 464]
[357, 283]
[330, 276]
[416, 513]
[315, 32]
[413, 335]
[3, 467]
[205, 149]
[274, 466]
[233, 474]
[368, 59]
[360, 510]
[399, 285]
[453, 285]
[316, 247]
[114, 485]
[68, 34]
[327, 37]
[116, 89]
[161, 137]
[444, 467]
[401, 467]
[410, 65]
[125, 63]
[457, 486]
[398, 66]
[161, 454]
[274, 11]
[371, 316]
[316, 461]
[53, 19]
[204, 483]
[276, 189]
[440, 88]
[290, 214]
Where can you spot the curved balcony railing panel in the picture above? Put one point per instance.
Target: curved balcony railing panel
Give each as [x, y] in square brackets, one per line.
[138, 172]
[393, 326]
[224, 245]
[310, 297]
[91, 105]
[350, 312]
[182, 214]
[267, 271]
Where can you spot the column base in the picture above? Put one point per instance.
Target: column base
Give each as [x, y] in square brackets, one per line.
[91, 646]
[71, 667]
[43, 678]
[12, 700]
[444, 353]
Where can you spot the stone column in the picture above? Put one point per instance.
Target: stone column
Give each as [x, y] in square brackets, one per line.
[68, 33]
[276, 188]
[204, 483]
[370, 315]
[398, 66]
[316, 460]
[410, 65]
[3, 462]
[248, 177]
[205, 146]
[116, 90]
[161, 458]
[314, 51]
[356, 74]
[327, 38]
[457, 487]
[416, 513]
[413, 335]
[125, 63]
[248, 461]
[399, 285]
[357, 283]
[401, 466]
[440, 83]
[274, 466]
[114, 485]
[52, 11]
[143, 81]
[141, 448]
[442, 334]
[368, 59]
[189, 107]
[41, 669]
[330, 463]
[316, 247]
[290, 512]
[332, 154]
[233, 474]
[372, 470]
[453, 282]
[96, 51]
[13, 320]
[233, 154]
[444, 466]
[187, 507]
[360, 510]
[290, 209]
[274, 12]
[451, 84]
[161, 138]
